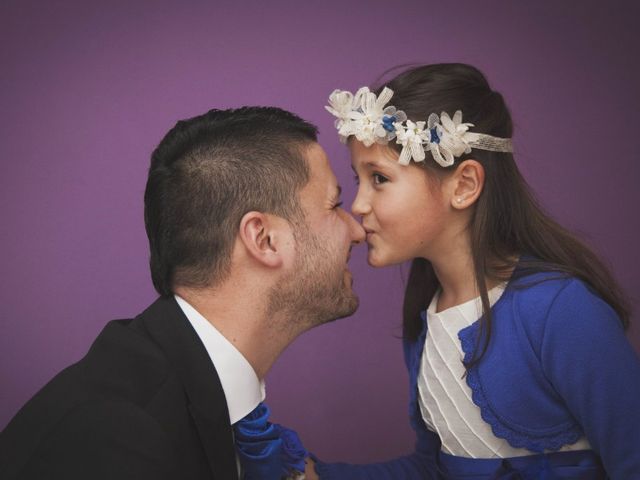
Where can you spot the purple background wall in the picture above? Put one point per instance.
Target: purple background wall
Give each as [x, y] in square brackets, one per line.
[87, 91]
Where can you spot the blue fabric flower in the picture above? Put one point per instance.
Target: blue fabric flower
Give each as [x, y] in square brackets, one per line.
[259, 445]
[293, 452]
[388, 121]
[435, 138]
[267, 450]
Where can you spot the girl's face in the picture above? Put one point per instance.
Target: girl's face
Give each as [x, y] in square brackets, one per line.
[403, 213]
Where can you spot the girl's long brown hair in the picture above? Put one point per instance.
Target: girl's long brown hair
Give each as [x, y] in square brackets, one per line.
[507, 221]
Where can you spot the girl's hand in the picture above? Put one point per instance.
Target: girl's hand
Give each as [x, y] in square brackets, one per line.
[310, 470]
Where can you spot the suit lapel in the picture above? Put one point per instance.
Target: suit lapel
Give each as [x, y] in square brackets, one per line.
[169, 327]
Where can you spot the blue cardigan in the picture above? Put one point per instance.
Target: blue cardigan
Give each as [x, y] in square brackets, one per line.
[558, 367]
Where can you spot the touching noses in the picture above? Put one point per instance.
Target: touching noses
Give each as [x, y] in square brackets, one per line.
[357, 232]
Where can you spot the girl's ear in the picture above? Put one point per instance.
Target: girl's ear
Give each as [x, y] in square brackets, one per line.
[467, 183]
[264, 238]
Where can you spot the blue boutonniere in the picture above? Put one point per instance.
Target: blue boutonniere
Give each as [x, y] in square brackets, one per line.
[267, 450]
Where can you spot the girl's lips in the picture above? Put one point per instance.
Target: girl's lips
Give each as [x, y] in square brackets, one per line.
[369, 233]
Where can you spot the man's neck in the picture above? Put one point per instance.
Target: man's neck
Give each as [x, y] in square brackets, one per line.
[242, 319]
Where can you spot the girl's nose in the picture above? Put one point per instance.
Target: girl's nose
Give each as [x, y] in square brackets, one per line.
[360, 206]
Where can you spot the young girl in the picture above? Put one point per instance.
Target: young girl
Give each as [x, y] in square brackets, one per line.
[513, 329]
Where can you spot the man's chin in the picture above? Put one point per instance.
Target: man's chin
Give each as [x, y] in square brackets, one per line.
[345, 309]
[348, 278]
[350, 307]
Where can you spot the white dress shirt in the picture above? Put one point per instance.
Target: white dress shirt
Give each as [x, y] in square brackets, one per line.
[242, 388]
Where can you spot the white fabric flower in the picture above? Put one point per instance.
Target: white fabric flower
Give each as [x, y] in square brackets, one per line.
[364, 115]
[411, 137]
[341, 105]
[447, 137]
[390, 117]
[366, 118]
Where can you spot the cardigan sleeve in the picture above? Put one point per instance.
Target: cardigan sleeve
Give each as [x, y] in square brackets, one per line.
[419, 465]
[593, 367]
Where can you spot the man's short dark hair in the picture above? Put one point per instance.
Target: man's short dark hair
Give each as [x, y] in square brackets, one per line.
[205, 174]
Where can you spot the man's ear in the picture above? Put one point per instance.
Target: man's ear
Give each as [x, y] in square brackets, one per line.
[265, 238]
[467, 184]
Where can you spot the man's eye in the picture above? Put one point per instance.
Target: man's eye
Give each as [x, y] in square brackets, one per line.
[378, 179]
[337, 205]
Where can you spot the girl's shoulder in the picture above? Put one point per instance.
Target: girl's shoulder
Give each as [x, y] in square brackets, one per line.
[550, 303]
[547, 289]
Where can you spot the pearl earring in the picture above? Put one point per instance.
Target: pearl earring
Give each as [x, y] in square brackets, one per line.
[459, 200]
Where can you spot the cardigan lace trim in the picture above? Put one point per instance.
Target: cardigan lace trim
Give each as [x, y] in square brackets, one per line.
[535, 442]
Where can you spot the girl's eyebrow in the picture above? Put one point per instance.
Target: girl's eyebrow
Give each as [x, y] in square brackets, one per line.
[370, 164]
[373, 165]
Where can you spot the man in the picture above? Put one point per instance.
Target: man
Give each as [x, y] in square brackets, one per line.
[249, 248]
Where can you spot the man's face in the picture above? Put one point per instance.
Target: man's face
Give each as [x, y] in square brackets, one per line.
[320, 282]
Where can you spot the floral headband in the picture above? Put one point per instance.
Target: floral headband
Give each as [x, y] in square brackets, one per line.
[365, 116]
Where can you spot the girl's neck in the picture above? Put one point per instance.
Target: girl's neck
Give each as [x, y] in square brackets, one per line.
[457, 280]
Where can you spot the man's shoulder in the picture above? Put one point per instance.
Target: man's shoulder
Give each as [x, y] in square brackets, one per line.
[123, 370]
[95, 438]
[122, 363]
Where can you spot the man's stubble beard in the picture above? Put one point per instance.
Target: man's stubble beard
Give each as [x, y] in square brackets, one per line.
[315, 291]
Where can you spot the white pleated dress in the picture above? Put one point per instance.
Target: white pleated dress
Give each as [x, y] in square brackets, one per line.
[443, 394]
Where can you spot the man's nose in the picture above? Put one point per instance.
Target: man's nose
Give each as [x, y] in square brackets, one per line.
[357, 232]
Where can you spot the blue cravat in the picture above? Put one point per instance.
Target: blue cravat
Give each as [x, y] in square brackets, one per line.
[267, 450]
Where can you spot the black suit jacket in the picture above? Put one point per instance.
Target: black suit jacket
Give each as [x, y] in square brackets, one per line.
[144, 403]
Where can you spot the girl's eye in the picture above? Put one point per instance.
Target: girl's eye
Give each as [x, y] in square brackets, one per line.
[356, 179]
[379, 179]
